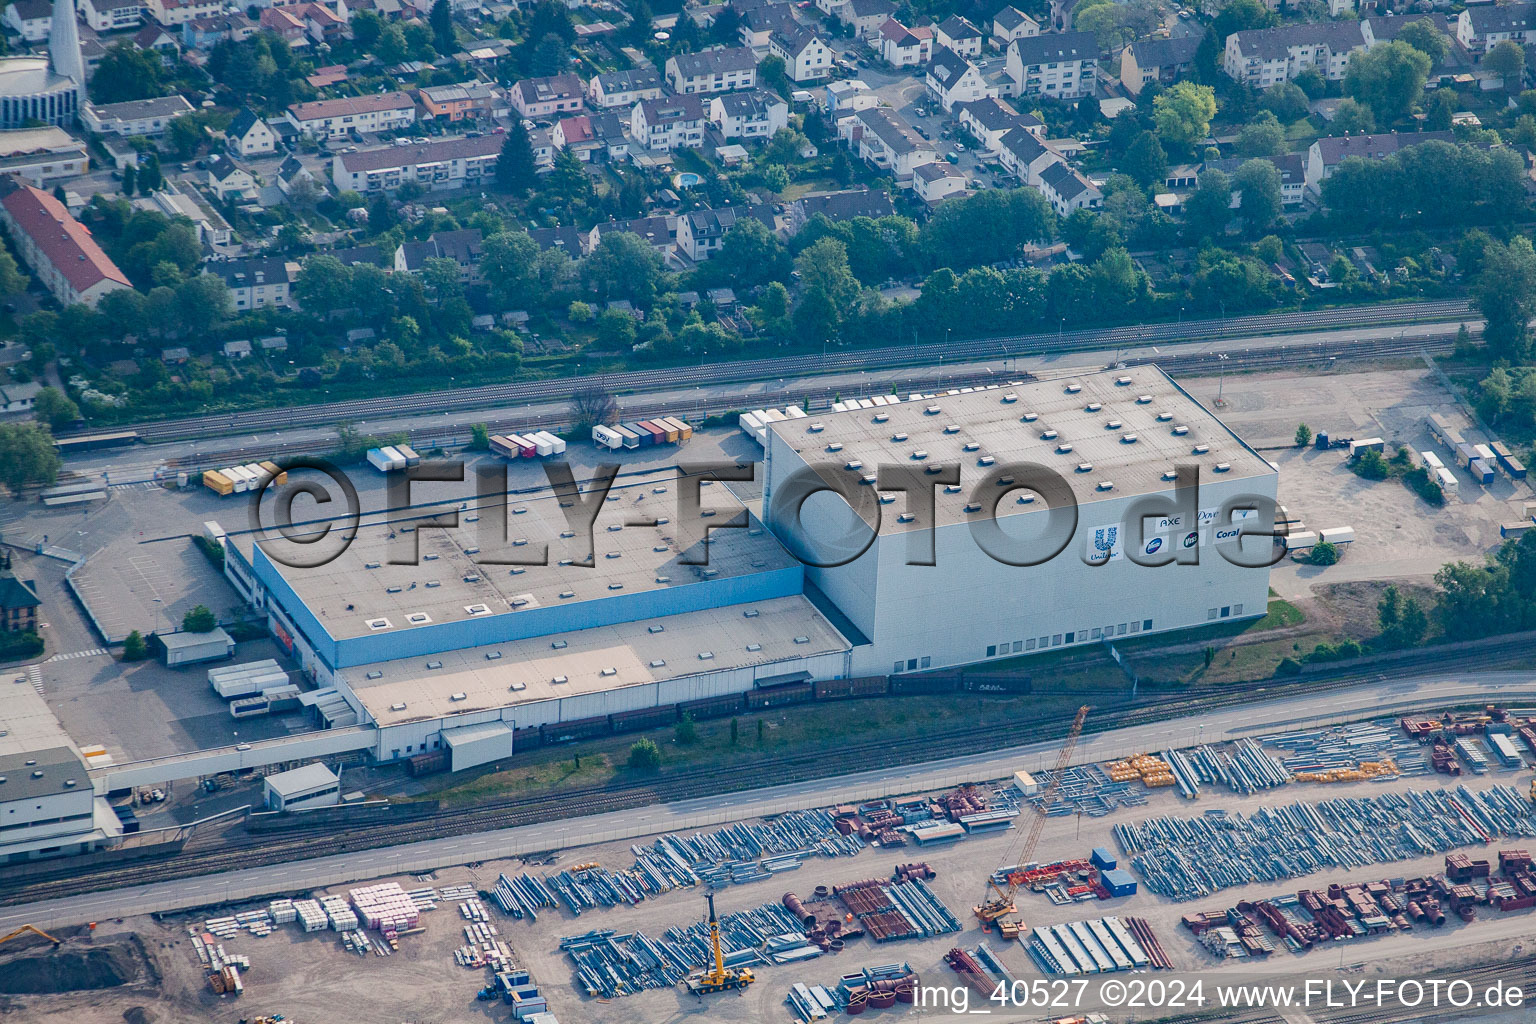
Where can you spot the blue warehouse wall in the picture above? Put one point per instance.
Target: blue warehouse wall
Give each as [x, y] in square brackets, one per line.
[279, 590]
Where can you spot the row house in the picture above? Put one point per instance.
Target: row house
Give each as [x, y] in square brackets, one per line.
[837, 207]
[249, 135]
[881, 138]
[535, 98]
[952, 79]
[988, 120]
[936, 182]
[206, 33]
[668, 123]
[598, 137]
[172, 13]
[438, 164]
[864, 17]
[806, 58]
[473, 100]
[111, 15]
[1060, 65]
[1268, 56]
[755, 114]
[1009, 24]
[1292, 168]
[59, 251]
[1026, 156]
[903, 47]
[721, 69]
[701, 233]
[958, 35]
[1065, 188]
[759, 24]
[1480, 29]
[848, 96]
[30, 19]
[1325, 155]
[624, 88]
[333, 119]
[256, 283]
[1163, 61]
[462, 246]
[660, 233]
[134, 117]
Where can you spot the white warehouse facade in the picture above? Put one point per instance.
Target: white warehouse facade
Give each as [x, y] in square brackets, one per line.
[1114, 439]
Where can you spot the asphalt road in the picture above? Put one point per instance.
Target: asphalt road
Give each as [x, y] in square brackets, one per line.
[1426, 693]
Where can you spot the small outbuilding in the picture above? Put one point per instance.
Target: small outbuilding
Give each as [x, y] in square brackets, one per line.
[313, 785]
[1119, 882]
[191, 648]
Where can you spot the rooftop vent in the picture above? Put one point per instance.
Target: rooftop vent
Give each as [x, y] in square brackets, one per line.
[952, 489]
[1106, 485]
[614, 554]
[750, 613]
[418, 618]
[1164, 417]
[802, 639]
[608, 672]
[658, 663]
[985, 460]
[905, 517]
[1180, 430]
[882, 417]
[397, 707]
[932, 410]
[952, 428]
[1128, 439]
[557, 680]
[492, 655]
[1093, 407]
[615, 586]
[1010, 398]
[887, 498]
[471, 577]
[567, 594]
[868, 479]
[558, 645]
[817, 428]
[658, 490]
[434, 665]
[972, 446]
[615, 528]
[433, 583]
[920, 454]
[377, 624]
[655, 629]
[663, 579]
[567, 533]
[1025, 499]
[458, 696]
[1223, 467]
[1030, 417]
[710, 574]
[392, 590]
[518, 687]
[516, 571]
[375, 674]
[1122, 381]
[1113, 425]
[1143, 399]
[1063, 448]
[519, 511]
[853, 465]
[1073, 389]
[661, 521]
[706, 655]
[519, 542]
[898, 437]
[1201, 449]
[1170, 474]
[973, 506]
[835, 446]
[370, 565]
[1047, 435]
[754, 647]
[1085, 467]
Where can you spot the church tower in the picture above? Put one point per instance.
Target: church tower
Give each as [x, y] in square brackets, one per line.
[64, 48]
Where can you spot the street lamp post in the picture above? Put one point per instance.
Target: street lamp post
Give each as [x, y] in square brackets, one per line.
[1221, 385]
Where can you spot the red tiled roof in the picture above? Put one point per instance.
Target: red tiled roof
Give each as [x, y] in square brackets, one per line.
[319, 109]
[65, 241]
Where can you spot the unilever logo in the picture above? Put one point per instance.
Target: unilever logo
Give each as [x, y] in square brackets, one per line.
[1154, 545]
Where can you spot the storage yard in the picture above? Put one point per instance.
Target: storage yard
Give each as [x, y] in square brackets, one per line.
[849, 908]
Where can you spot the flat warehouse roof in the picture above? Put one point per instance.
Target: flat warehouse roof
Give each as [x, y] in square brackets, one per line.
[26, 723]
[593, 660]
[360, 593]
[1109, 435]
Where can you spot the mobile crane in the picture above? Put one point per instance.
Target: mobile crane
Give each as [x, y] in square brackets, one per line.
[35, 930]
[993, 907]
[719, 978]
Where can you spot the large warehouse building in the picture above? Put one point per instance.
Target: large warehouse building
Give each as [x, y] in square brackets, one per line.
[454, 654]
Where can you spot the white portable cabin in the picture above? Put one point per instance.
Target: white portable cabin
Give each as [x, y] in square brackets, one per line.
[214, 532]
[396, 459]
[1374, 444]
[1300, 541]
[236, 476]
[1431, 461]
[541, 447]
[606, 437]
[750, 422]
[385, 460]
[1338, 535]
[1446, 479]
[555, 446]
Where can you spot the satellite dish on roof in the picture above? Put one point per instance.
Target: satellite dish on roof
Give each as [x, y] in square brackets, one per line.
[661, 37]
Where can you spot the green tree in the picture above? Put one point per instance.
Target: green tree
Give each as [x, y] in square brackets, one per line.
[579, 312]
[1303, 436]
[615, 330]
[323, 285]
[126, 72]
[1422, 35]
[479, 437]
[1505, 293]
[366, 27]
[202, 301]
[686, 733]
[134, 647]
[1388, 78]
[130, 179]
[1352, 117]
[199, 619]
[1440, 115]
[1263, 136]
[1207, 212]
[509, 262]
[644, 756]
[823, 268]
[1507, 60]
[1286, 101]
[623, 265]
[750, 254]
[1324, 553]
[1146, 161]
[516, 170]
[1239, 16]
[185, 134]
[54, 408]
[1258, 182]
[1183, 113]
[441, 20]
[27, 456]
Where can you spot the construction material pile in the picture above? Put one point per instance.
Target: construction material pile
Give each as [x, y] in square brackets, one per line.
[890, 910]
[1153, 771]
[1188, 858]
[386, 907]
[1086, 789]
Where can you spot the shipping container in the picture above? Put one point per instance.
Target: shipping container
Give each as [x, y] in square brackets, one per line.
[1446, 479]
[1481, 471]
[750, 423]
[1515, 529]
[95, 442]
[235, 477]
[385, 460]
[657, 434]
[1301, 540]
[845, 689]
[504, 446]
[278, 474]
[214, 532]
[668, 429]
[408, 453]
[606, 437]
[394, 455]
[794, 412]
[1466, 455]
[626, 436]
[712, 707]
[541, 446]
[643, 718]
[795, 693]
[1485, 453]
[526, 449]
[1512, 466]
[645, 436]
[1431, 461]
[1441, 430]
[250, 707]
[684, 429]
[217, 482]
[1337, 535]
[1373, 444]
[571, 732]
[557, 441]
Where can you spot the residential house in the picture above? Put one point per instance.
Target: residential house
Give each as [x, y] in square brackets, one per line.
[374, 112]
[535, 98]
[936, 182]
[624, 88]
[322, 23]
[18, 614]
[249, 135]
[700, 233]
[1060, 65]
[880, 137]
[292, 171]
[837, 206]
[286, 24]
[206, 33]
[467, 100]
[865, 17]
[256, 283]
[903, 47]
[1481, 28]
[462, 246]
[848, 96]
[596, 137]
[758, 24]
[237, 350]
[952, 79]
[111, 15]
[163, 42]
[958, 35]
[1164, 61]
[541, 140]
[1067, 190]
[30, 19]
[175, 355]
[134, 117]
[57, 249]
[806, 58]
[1026, 156]
[1292, 168]
[41, 156]
[172, 13]
[988, 120]
[211, 227]
[228, 180]
[18, 398]
[1267, 56]
[659, 232]
[436, 164]
[1327, 153]
[1009, 24]
[671, 122]
[715, 70]
[566, 239]
[755, 114]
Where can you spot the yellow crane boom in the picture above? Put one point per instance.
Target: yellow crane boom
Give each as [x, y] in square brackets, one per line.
[993, 907]
[35, 931]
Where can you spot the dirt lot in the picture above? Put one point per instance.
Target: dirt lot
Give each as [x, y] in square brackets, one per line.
[309, 977]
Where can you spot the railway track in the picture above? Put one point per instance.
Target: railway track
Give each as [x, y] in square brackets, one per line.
[636, 381]
[228, 851]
